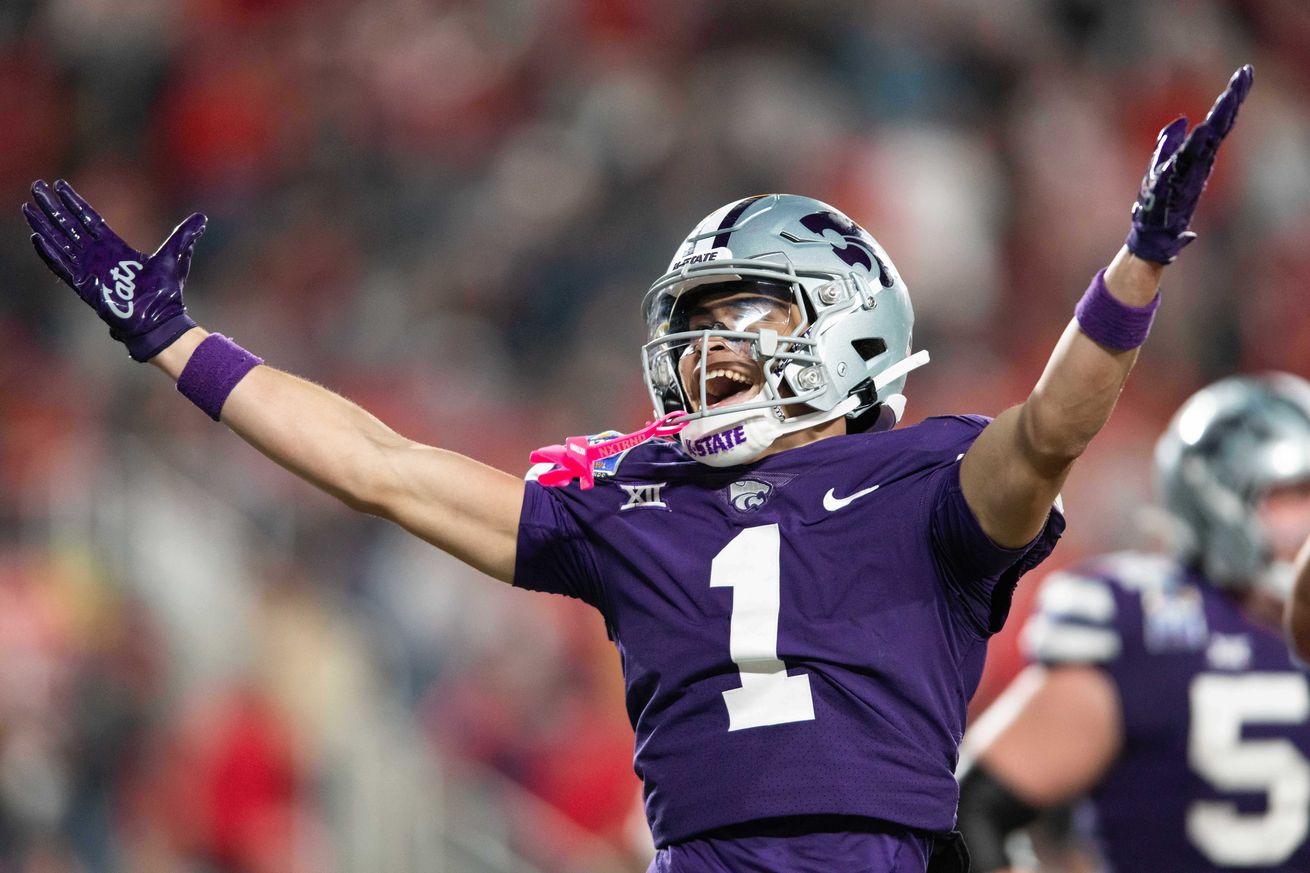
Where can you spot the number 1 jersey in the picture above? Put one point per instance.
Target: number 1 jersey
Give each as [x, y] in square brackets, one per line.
[798, 636]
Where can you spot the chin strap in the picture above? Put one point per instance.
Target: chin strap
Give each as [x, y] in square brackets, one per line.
[813, 419]
[895, 403]
[899, 369]
[577, 457]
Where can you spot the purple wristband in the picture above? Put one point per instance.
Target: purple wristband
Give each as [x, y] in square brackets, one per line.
[1111, 322]
[215, 368]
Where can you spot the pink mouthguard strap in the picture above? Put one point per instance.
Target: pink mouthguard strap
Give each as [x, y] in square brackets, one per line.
[575, 459]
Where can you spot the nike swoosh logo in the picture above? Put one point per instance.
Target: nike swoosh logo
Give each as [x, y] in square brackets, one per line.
[832, 503]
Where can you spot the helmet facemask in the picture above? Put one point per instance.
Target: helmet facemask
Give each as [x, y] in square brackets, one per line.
[844, 351]
[728, 346]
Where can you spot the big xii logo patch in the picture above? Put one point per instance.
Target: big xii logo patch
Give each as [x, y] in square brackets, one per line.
[644, 496]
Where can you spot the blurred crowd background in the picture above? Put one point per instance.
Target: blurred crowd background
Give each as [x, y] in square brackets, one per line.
[449, 210]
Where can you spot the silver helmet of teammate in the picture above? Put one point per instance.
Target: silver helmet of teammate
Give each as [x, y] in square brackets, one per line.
[848, 357]
[1228, 445]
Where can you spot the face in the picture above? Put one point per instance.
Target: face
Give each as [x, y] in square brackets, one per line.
[1285, 514]
[733, 372]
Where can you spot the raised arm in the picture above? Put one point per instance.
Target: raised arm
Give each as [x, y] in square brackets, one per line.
[459, 505]
[1015, 469]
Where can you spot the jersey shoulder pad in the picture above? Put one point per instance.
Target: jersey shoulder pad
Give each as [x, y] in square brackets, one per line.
[1167, 603]
[1138, 573]
[1090, 613]
[1075, 621]
[933, 442]
[943, 430]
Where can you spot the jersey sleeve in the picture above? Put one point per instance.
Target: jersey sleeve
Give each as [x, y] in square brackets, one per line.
[1118, 612]
[553, 553]
[979, 573]
[1076, 620]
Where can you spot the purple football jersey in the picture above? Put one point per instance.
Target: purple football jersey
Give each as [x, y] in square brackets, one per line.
[802, 845]
[799, 635]
[1214, 774]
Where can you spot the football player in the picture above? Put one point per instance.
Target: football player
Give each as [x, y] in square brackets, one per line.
[801, 595]
[1162, 687]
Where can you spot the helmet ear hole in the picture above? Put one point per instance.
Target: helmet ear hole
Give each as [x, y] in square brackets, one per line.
[869, 348]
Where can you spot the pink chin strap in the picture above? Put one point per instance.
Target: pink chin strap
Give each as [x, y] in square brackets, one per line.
[577, 457]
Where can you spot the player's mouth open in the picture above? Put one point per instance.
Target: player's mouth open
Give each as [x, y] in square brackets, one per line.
[725, 387]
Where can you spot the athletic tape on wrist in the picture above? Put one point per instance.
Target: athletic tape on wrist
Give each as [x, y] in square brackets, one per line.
[1111, 322]
[215, 368]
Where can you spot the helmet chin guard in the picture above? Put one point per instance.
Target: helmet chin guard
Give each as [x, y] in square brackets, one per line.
[849, 355]
[729, 439]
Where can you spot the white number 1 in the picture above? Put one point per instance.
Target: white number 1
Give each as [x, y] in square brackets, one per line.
[749, 565]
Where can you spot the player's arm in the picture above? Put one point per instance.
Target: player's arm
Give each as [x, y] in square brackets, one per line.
[457, 504]
[1298, 606]
[1015, 469]
[1048, 739]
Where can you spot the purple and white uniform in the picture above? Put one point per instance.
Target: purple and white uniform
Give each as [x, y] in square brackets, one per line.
[799, 636]
[1214, 774]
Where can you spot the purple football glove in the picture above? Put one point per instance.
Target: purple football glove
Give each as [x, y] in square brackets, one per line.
[139, 297]
[1177, 175]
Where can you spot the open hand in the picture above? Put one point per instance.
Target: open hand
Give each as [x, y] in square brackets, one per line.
[1177, 175]
[139, 297]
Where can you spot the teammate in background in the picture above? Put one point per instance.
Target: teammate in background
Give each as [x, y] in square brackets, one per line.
[1162, 686]
[801, 595]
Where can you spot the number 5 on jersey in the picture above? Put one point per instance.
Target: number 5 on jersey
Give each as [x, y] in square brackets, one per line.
[749, 565]
[1232, 761]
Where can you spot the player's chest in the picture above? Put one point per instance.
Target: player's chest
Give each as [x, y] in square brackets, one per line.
[1221, 675]
[820, 551]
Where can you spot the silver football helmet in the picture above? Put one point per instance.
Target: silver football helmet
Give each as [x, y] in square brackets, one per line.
[1228, 445]
[848, 356]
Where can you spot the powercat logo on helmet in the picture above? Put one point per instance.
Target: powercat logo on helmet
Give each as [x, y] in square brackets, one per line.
[856, 252]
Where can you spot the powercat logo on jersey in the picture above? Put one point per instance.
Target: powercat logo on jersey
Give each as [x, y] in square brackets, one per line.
[748, 495]
[124, 288]
[644, 496]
